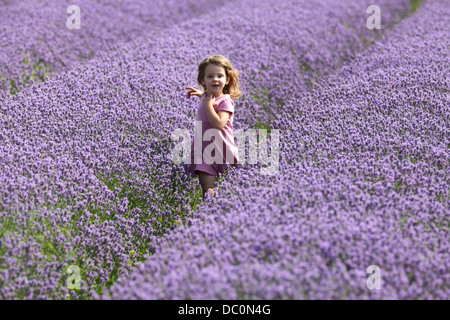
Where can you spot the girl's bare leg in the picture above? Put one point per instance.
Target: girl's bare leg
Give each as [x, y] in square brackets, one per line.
[207, 182]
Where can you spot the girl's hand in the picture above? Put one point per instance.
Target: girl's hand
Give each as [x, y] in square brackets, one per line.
[193, 92]
[209, 99]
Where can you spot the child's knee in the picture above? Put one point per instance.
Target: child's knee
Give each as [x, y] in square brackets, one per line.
[206, 181]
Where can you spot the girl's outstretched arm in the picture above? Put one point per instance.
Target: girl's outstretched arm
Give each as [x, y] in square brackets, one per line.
[193, 92]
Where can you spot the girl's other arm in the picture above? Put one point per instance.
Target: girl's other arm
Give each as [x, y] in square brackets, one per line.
[217, 120]
[224, 116]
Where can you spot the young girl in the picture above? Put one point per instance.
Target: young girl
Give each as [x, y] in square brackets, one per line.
[215, 110]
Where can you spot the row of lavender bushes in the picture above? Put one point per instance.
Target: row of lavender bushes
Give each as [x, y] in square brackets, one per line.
[363, 181]
[88, 178]
[36, 43]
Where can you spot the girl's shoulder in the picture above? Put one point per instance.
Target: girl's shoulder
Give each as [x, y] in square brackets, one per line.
[227, 96]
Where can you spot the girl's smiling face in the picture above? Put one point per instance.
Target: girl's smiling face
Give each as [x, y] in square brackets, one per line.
[215, 79]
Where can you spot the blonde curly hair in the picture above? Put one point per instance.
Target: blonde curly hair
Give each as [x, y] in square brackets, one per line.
[232, 88]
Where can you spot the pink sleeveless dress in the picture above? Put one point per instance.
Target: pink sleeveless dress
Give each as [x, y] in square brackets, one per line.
[226, 140]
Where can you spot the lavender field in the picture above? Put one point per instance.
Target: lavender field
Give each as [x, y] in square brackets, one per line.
[87, 178]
